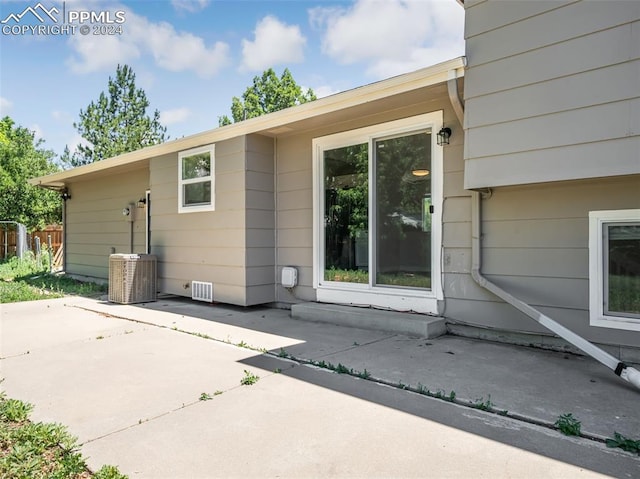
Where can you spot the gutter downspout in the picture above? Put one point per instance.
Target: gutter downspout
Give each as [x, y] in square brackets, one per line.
[627, 373]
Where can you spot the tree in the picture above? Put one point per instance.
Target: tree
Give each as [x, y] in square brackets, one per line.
[117, 123]
[21, 158]
[267, 94]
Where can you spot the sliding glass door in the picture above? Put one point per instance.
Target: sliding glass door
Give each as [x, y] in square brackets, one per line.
[377, 224]
[402, 200]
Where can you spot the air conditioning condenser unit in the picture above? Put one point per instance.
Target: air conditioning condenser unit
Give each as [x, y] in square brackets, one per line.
[132, 278]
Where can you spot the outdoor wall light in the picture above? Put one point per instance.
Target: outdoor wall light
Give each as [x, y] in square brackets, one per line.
[126, 211]
[64, 194]
[420, 172]
[142, 202]
[443, 136]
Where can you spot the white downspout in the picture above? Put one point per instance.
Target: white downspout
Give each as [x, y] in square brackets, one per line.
[627, 373]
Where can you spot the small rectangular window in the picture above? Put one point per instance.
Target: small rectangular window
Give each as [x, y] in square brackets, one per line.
[196, 190]
[614, 268]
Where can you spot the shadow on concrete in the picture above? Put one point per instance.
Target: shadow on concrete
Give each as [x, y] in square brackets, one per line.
[534, 384]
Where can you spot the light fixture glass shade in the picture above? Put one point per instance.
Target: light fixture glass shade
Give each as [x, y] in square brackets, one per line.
[443, 136]
[420, 172]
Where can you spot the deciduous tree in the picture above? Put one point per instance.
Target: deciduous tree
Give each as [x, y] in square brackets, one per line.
[21, 158]
[267, 94]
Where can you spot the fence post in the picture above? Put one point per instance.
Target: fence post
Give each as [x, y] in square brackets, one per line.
[50, 253]
[38, 249]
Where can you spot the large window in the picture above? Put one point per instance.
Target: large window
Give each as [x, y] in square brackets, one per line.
[377, 235]
[196, 186]
[614, 268]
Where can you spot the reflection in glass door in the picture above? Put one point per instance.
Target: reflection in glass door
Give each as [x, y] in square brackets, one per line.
[346, 216]
[402, 200]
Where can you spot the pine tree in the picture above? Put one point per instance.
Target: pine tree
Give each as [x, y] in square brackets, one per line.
[117, 123]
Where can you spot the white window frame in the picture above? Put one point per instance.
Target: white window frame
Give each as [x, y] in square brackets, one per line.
[597, 314]
[399, 299]
[211, 178]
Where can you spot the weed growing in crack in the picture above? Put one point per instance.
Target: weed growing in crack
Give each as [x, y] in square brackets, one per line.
[483, 405]
[205, 397]
[283, 353]
[422, 390]
[624, 443]
[568, 425]
[364, 374]
[249, 378]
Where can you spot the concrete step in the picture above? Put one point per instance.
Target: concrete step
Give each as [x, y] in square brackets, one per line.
[411, 324]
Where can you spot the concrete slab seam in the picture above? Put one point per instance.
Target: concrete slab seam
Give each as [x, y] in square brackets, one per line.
[438, 395]
[342, 369]
[166, 413]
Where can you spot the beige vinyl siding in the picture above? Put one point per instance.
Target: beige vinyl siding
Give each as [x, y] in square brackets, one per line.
[260, 220]
[294, 204]
[551, 91]
[535, 246]
[95, 225]
[202, 246]
[295, 192]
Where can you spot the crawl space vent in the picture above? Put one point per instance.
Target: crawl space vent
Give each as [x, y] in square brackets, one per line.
[201, 291]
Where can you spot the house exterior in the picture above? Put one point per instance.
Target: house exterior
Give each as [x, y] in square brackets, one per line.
[354, 192]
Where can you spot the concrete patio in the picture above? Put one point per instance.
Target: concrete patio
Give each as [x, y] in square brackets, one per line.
[127, 380]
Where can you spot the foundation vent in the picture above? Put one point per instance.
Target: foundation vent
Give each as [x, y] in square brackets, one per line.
[201, 291]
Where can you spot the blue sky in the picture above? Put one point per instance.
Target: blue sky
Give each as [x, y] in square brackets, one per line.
[192, 56]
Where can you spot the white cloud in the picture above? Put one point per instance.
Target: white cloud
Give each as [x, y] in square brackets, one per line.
[190, 6]
[37, 132]
[75, 141]
[274, 43]
[324, 90]
[173, 116]
[5, 106]
[391, 36]
[61, 116]
[171, 50]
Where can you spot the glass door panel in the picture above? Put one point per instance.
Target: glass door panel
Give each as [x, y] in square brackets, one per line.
[403, 211]
[346, 215]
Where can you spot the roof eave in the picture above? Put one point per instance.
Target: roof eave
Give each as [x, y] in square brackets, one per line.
[402, 83]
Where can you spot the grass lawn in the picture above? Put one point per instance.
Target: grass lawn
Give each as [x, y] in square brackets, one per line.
[40, 450]
[28, 280]
[361, 276]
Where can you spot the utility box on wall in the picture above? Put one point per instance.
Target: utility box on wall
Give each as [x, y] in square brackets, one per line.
[132, 278]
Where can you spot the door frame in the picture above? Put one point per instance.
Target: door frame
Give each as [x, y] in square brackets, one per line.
[147, 208]
[400, 299]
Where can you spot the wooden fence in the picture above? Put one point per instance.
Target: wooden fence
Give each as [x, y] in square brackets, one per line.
[8, 240]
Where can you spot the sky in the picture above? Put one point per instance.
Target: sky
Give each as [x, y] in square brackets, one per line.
[192, 56]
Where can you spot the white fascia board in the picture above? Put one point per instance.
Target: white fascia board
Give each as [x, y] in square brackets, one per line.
[358, 96]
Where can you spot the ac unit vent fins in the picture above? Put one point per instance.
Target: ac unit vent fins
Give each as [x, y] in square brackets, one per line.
[132, 278]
